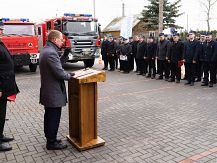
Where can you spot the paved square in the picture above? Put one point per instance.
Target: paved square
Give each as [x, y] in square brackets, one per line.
[142, 120]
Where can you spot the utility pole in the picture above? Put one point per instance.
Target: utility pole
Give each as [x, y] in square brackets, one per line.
[94, 8]
[161, 8]
[123, 9]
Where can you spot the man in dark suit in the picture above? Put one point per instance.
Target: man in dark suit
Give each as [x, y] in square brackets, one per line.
[140, 55]
[175, 56]
[53, 92]
[103, 52]
[8, 87]
[190, 58]
[208, 56]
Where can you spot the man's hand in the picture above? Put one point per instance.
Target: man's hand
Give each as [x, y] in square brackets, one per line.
[168, 61]
[194, 61]
[0, 94]
[67, 51]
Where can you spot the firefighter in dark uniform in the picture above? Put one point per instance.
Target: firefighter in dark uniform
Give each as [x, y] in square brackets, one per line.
[8, 87]
[190, 58]
[103, 52]
[199, 64]
[150, 57]
[111, 53]
[175, 56]
[140, 55]
[134, 50]
[208, 57]
[161, 55]
[132, 58]
[125, 55]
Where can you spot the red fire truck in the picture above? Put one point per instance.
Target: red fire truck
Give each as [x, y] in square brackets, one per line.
[81, 34]
[21, 40]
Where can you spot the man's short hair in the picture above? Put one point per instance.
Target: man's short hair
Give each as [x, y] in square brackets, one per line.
[53, 34]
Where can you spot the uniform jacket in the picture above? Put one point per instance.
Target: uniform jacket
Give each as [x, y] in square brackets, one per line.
[162, 49]
[53, 90]
[103, 49]
[134, 47]
[111, 48]
[208, 53]
[8, 85]
[151, 50]
[126, 49]
[199, 51]
[175, 52]
[189, 52]
[141, 50]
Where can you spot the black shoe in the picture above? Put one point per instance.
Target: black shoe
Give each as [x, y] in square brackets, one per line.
[171, 80]
[56, 146]
[210, 84]
[58, 140]
[166, 79]
[111, 70]
[160, 78]
[188, 83]
[5, 147]
[148, 76]
[204, 84]
[140, 73]
[198, 80]
[6, 139]
[105, 68]
[177, 81]
[192, 84]
[153, 77]
[126, 72]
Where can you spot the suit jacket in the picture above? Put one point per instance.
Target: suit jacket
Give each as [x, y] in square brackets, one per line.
[175, 52]
[53, 90]
[8, 85]
[162, 49]
[190, 52]
[141, 50]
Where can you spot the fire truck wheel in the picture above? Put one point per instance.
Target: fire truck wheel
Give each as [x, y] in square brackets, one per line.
[33, 67]
[89, 62]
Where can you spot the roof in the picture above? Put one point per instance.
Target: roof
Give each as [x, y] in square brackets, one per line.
[115, 24]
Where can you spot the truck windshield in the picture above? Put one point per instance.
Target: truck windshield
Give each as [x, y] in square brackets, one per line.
[16, 29]
[81, 28]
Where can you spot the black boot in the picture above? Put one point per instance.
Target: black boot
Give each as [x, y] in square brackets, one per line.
[5, 147]
[6, 139]
[55, 146]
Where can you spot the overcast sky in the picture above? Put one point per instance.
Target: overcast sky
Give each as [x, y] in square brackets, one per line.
[106, 10]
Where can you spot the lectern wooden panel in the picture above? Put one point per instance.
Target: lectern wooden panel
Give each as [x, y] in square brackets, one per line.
[82, 91]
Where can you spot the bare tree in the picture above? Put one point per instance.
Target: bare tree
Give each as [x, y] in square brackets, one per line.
[208, 7]
[161, 4]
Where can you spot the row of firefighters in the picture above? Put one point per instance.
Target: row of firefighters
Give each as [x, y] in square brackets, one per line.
[165, 57]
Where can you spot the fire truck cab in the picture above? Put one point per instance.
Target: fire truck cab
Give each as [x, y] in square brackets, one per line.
[81, 33]
[21, 40]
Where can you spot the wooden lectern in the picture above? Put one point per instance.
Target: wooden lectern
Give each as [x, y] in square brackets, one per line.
[82, 92]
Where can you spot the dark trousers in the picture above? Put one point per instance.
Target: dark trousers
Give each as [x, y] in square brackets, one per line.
[151, 67]
[199, 71]
[51, 123]
[175, 71]
[190, 69]
[116, 62]
[132, 62]
[163, 67]
[209, 68]
[105, 63]
[141, 66]
[126, 65]
[3, 106]
[111, 60]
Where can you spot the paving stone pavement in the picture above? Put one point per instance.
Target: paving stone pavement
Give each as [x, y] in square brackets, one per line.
[142, 121]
